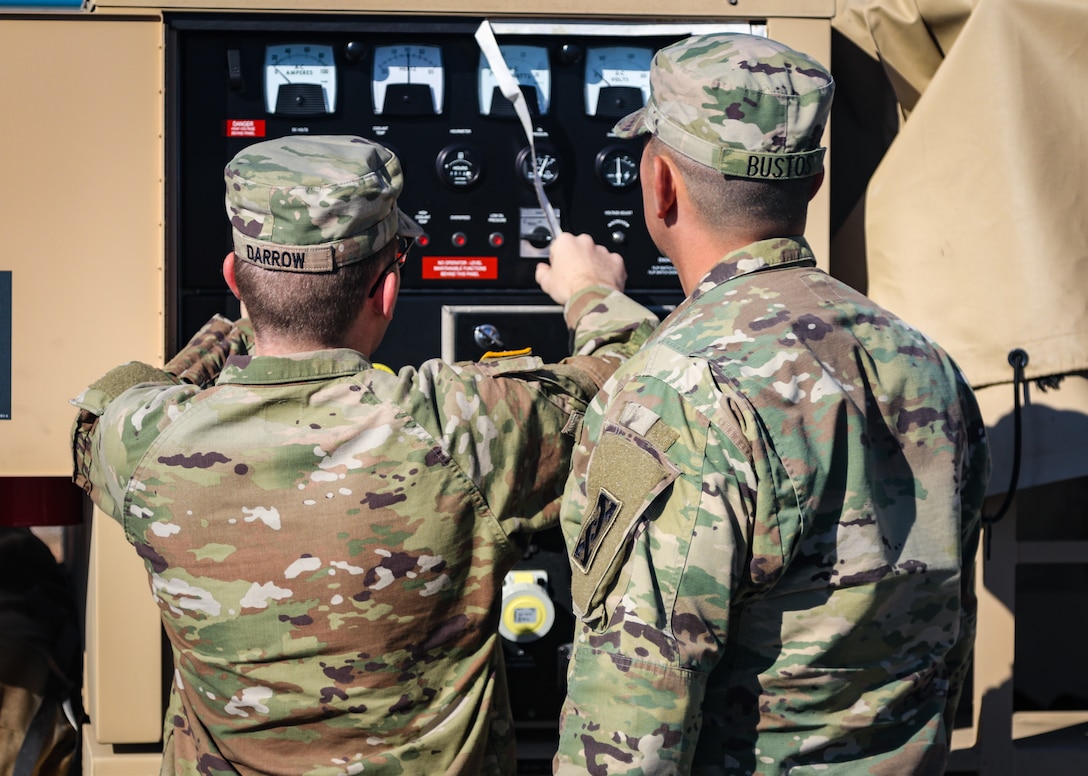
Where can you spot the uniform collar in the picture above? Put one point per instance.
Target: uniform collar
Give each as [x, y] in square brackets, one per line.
[308, 366]
[765, 254]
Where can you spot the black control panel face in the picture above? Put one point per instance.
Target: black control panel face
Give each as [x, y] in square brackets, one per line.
[422, 87]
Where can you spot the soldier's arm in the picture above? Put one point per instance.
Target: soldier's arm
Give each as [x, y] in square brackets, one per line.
[975, 477]
[588, 280]
[510, 423]
[105, 453]
[655, 518]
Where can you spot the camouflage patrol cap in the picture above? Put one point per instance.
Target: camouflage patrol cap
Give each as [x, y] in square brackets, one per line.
[742, 104]
[314, 203]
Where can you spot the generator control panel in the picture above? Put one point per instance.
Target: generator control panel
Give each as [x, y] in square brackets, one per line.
[424, 88]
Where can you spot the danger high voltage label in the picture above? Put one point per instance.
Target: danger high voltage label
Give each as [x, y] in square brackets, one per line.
[244, 128]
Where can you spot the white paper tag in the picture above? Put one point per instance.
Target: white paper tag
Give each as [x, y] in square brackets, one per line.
[508, 85]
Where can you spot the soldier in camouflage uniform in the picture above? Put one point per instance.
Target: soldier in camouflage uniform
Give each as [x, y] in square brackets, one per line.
[326, 540]
[774, 507]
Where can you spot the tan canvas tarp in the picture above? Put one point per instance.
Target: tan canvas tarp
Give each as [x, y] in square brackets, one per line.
[976, 219]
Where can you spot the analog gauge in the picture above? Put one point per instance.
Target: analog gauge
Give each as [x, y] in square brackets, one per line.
[299, 80]
[617, 167]
[459, 166]
[529, 66]
[408, 80]
[547, 166]
[617, 80]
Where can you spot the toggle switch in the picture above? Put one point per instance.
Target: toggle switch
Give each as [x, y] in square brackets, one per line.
[487, 337]
[540, 237]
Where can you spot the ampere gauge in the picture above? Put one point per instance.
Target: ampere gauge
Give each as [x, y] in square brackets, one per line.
[408, 80]
[299, 80]
[530, 68]
[547, 166]
[617, 80]
[617, 167]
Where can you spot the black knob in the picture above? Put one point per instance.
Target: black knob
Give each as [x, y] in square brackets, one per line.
[569, 53]
[540, 237]
[354, 51]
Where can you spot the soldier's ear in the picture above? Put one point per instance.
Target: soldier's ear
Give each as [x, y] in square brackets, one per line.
[228, 274]
[380, 305]
[664, 185]
[388, 294]
[817, 181]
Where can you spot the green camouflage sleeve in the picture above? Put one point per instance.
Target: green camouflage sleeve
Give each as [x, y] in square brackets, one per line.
[655, 606]
[975, 475]
[510, 423]
[95, 467]
[201, 360]
[606, 323]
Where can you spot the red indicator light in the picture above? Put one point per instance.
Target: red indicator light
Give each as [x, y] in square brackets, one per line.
[496, 239]
[459, 239]
[423, 240]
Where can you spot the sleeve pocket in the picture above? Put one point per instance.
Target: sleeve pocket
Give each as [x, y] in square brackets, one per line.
[626, 473]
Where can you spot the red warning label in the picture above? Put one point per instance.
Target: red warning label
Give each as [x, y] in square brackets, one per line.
[460, 267]
[244, 128]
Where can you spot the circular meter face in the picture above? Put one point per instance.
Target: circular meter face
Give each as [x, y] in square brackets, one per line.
[294, 70]
[529, 66]
[617, 167]
[407, 73]
[617, 80]
[547, 166]
[459, 166]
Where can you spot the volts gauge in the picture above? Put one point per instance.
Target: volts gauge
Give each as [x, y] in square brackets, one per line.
[530, 68]
[617, 167]
[408, 80]
[617, 80]
[299, 80]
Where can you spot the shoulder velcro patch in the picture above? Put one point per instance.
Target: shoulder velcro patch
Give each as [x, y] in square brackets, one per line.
[627, 471]
[120, 379]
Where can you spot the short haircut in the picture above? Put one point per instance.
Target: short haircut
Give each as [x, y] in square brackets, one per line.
[723, 201]
[316, 306]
